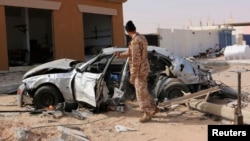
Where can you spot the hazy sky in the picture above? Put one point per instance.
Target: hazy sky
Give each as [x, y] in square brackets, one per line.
[148, 15]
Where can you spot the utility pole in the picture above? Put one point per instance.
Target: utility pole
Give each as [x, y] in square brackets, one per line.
[238, 119]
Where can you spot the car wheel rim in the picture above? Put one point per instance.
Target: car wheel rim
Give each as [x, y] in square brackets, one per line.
[47, 99]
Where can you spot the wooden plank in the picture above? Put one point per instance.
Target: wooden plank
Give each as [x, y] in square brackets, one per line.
[187, 97]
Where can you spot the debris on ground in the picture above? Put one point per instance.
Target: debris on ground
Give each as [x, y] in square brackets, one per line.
[53, 113]
[21, 134]
[79, 114]
[71, 134]
[120, 128]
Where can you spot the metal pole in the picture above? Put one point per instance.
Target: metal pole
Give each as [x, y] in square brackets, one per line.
[238, 119]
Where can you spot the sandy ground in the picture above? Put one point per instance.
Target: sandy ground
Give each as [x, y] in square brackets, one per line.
[178, 124]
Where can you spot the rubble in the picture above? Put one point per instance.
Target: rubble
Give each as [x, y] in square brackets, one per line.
[120, 128]
[53, 114]
[79, 114]
[72, 134]
[21, 134]
[175, 113]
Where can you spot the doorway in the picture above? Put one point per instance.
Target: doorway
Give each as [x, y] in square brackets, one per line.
[29, 35]
[97, 33]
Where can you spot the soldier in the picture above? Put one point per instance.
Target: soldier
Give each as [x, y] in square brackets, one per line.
[139, 69]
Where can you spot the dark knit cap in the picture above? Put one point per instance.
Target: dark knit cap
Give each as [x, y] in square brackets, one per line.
[130, 26]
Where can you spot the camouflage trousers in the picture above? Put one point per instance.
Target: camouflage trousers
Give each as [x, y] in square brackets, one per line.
[142, 94]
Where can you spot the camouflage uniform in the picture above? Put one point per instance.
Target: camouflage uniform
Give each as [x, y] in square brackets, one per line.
[139, 69]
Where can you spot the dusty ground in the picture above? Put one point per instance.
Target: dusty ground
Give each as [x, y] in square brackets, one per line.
[179, 124]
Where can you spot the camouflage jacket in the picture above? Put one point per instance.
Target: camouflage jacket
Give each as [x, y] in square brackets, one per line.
[138, 56]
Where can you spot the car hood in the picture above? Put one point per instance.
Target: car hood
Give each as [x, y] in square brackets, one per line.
[60, 64]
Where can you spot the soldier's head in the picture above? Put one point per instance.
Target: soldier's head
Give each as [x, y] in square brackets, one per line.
[130, 28]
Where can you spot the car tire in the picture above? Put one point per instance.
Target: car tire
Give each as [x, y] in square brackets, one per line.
[46, 96]
[173, 90]
[70, 106]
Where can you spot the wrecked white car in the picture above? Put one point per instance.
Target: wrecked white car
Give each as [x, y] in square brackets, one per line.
[93, 82]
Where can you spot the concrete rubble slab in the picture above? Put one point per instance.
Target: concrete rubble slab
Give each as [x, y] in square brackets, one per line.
[72, 134]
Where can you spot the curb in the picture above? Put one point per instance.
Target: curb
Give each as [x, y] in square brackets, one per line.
[19, 69]
[10, 89]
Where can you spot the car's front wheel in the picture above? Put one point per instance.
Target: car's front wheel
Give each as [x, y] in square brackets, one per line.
[46, 96]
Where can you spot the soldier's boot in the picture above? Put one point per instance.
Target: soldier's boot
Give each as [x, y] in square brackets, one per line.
[155, 110]
[145, 118]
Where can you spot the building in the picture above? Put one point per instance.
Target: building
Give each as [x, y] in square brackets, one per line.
[241, 33]
[195, 40]
[36, 31]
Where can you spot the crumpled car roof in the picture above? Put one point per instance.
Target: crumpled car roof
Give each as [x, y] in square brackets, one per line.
[159, 50]
[63, 64]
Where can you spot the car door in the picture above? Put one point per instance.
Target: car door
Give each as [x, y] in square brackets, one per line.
[89, 85]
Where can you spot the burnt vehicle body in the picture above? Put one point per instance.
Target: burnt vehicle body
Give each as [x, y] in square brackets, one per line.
[93, 82]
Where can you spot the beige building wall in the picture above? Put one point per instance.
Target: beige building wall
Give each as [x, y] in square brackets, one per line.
[69, 20]
[68, 32]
